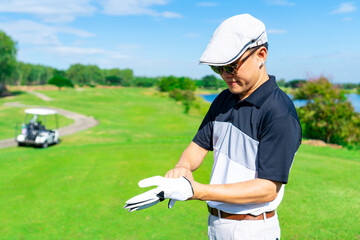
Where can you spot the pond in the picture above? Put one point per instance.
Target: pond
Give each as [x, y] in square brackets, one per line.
[353, 98]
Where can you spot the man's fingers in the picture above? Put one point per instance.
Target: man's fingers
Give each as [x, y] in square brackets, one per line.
[189, 176]
[169, 174]
[179, 172]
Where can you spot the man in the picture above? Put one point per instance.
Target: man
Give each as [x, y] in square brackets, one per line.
[254, 131]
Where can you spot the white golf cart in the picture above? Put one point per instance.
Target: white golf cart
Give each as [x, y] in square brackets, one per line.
[34, 131]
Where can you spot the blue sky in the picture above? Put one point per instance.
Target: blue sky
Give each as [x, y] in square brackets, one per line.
[167, 37]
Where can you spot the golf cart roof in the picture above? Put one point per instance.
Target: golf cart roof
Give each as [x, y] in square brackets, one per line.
[40, 111]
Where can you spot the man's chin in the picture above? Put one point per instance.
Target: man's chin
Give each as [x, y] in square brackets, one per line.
[234, 90]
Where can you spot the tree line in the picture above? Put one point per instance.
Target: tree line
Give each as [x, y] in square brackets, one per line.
[13, 72]
[327, 115]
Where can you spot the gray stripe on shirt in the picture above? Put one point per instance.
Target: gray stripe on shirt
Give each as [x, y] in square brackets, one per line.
[235, 144]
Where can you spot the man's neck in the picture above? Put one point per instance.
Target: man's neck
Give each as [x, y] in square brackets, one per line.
[262, 78]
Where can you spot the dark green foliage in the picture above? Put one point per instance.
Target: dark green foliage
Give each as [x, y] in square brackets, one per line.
[167, 84]
[77, 73]
[7, 60]
[185, 96]
[145, 81]
[127, 75]
[295, 83]
[60, 82]
[348, 85]
[211, 82]
[30, 74]
[113, 80]
[181, 89]
[116, 76]
[328, 115]
[281, 83]
[59, 72]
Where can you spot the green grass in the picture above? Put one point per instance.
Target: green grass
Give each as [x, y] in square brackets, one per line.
[76, 190]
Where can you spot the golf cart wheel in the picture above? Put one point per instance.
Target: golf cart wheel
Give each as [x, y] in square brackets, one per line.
[45, 145]
[20, 144]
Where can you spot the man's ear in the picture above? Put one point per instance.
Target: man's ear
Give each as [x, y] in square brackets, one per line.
[262, 54]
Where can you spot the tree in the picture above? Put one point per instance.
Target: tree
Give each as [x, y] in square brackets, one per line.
[127, 76]
[113, 80]
[145, 81]
[281, 82]
[327, 115]
[167, 84]
[296, 83]
[77, 74]
[7, 60]
[212, 82]
[94, 74]
[60, 82]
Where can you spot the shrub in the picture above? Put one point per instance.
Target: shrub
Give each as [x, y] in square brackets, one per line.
[60, 82]
[328, 115]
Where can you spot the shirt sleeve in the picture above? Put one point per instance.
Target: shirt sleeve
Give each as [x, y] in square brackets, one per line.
[277, 147]
[203, 137]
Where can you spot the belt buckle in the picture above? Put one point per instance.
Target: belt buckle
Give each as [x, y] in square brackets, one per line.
[219, 212]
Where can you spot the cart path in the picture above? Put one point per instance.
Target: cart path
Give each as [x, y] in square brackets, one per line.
[81, 122]
[41, 96]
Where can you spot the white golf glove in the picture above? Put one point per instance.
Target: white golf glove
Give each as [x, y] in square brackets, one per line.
[168, 188]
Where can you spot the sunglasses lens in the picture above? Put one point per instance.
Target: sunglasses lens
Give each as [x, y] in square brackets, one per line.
[216, 69]
[229, 69]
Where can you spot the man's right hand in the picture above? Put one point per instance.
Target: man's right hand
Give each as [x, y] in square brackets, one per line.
[180, 172]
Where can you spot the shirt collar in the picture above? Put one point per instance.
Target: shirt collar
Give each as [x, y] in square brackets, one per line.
[261, 93]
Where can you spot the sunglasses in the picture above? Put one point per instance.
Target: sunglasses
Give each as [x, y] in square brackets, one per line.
[231, 68]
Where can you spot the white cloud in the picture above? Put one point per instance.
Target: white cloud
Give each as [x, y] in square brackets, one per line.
[30, 32]
[137, 7]
[73, 54]
[346, 7]
[50, 11]
[74, 51]
[275, 31]
[69, 10]
[280, 2]
[170, 15]
[207, 4]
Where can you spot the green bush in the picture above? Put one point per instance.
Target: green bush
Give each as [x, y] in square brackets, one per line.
[185, 96]
[211, 82]
[60, 82]
[145, 81]
[328, 115]
[167, 84]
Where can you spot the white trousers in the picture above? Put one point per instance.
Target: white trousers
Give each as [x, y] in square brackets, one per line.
[225, 229]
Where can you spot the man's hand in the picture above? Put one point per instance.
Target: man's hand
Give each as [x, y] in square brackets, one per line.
[180, 172]
[168, 188]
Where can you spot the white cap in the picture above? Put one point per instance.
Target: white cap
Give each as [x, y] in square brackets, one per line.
[232, 38]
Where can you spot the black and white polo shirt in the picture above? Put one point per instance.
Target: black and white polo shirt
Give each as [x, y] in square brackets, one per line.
[253, 138]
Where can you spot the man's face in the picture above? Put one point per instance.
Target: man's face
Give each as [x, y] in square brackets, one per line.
[247, 75]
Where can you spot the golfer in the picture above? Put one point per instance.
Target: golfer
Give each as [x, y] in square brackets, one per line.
[254, 131]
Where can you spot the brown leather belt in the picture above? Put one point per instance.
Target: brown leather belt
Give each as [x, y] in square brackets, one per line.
[215, 212]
